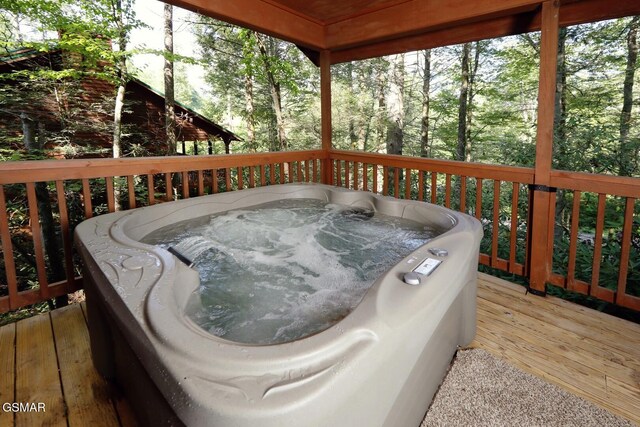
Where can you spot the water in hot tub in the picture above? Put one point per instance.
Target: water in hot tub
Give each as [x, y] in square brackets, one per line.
[287, 269]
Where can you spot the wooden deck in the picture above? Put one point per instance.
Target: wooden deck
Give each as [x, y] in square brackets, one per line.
[47, 358]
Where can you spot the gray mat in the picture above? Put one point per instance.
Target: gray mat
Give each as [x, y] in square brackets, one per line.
[482, 390]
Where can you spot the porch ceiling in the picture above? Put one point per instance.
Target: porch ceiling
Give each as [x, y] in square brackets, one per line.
[358, 29]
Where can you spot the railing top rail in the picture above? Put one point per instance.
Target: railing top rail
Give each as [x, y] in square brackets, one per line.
[52, 170]
[596, 183]
[468, 169]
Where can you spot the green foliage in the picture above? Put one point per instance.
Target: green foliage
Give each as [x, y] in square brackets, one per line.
[242, 63]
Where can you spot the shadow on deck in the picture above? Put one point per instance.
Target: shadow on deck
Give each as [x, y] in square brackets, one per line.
[47, 358]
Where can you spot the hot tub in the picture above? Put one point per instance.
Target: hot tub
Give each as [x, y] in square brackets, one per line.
[378, 366]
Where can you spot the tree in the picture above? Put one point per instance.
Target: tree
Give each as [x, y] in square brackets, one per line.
[395, 106]
[169, 100]
[426, 88]
[628, 152]
[261, 81]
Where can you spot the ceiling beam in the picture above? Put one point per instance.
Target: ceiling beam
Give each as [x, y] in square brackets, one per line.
[417, 16]
[578, 12]
[260, 16]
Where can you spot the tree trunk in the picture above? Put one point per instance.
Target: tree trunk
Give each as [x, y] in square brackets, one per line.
[353, 137]
[121, 66]
[629, 155]
[463, 100]
[426, 88]
[473, 71]
[395, 107]
[381, 105]
[395, 110]
[169, 96]
[274, 89]
[248, 101]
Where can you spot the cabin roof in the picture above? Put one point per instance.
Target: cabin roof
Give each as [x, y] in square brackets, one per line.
[194, 126]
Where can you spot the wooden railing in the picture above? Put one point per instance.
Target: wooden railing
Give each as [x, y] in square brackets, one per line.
[507, 221]
[499, 196]
[496, 195]
[79, 189]
[610, 247]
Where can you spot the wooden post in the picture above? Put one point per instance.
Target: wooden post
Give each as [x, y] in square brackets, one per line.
[325, 114]
[540, 260]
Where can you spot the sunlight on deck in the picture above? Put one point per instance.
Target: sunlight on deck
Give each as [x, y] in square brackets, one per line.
[47, 358]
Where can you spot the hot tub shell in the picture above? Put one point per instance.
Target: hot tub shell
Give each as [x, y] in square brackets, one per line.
[379, 366]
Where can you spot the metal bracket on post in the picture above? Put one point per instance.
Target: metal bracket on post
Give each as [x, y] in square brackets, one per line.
[536, 292]
[545, 188]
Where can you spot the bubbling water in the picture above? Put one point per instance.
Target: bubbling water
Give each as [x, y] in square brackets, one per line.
[287, 269]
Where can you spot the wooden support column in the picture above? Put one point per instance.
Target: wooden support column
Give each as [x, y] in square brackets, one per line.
[541, 220]
[325, 114]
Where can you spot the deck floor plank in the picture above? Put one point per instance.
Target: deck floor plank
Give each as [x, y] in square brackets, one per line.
[626, 340]
[37, 378]
[588, 353]
[86, 393]
[7, 370]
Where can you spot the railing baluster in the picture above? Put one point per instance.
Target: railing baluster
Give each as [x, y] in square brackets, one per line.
[307, 170]
[36, 235]
[282, 173]
[463, 193]
[86, 198]
[385, 181]
[290, 170]
[132, 192]
[111, 205]
[299, 177]
[151, 190]
[7, 252]
[421, 185]
[315, 166]
[621, 295]
[272, 173]
[347, 166]
[478, 198]
[185, 184]
[338, 173]
[168, 185]
[200, 177]
[396, 182]
[374, 176]
[495, 229]
[447, 191]
[596, 290]
[263, 179]
[575, 221]
[513, 233]
[407, 184]
[365, 177]
[355, 176]
[227, 180]
[240, 174]
[252, 176]
[66, 233]
[214, 181]
[434, 187]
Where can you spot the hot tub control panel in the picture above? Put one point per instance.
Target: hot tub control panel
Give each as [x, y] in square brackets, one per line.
[421, 271]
